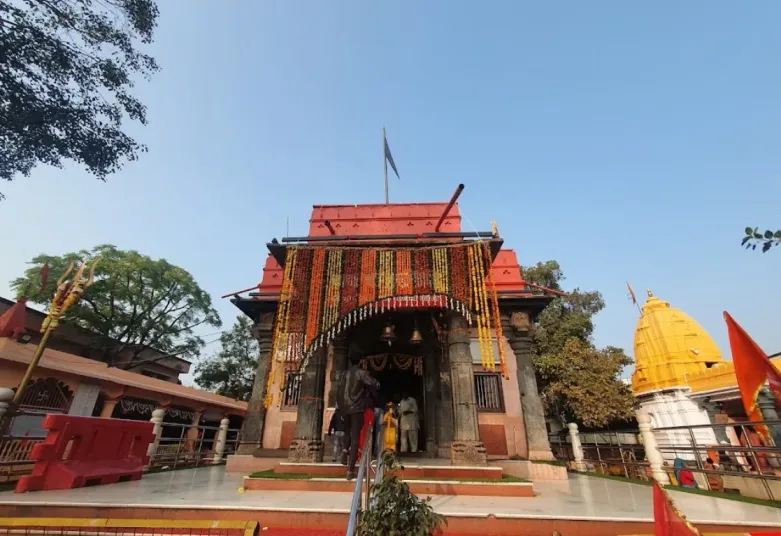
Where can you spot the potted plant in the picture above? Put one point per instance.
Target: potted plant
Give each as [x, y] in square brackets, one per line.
[396, 511]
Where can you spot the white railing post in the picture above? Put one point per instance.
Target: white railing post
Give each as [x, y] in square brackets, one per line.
[652, 453]
[577, 448]
[6, 395]
[157, 419]
[222, 439]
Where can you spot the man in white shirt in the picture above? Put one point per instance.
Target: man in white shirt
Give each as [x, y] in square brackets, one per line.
[408, 409]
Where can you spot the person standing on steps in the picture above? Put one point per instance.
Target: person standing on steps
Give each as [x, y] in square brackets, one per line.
[352, 399]
[409, 423]
[336, 426]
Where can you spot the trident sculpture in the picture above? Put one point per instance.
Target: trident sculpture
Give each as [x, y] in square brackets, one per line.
[67, 294]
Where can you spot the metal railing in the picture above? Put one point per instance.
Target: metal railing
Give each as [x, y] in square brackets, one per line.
[707, 450]
[364, 473]
[182, 445]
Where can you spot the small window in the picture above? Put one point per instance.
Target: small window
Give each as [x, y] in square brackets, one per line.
[292, 390]
[488, 392]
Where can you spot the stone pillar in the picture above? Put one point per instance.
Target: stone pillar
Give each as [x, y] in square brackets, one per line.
[767, 405]
[338, 367]
[307, 445]
[517, 328]
[255, 419]
[444, 406]
[652, 453]
[430, 380]
[157, 419]
[577, 448]
[716, 416]
[466, 448]
[108, 407]
[220, 441]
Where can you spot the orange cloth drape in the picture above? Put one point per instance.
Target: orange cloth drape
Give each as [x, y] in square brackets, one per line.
[667, 520]
[752, 370]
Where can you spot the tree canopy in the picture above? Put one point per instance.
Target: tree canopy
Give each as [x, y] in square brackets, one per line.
[578, 382]
[766, 239]
[67, 68]
[231, 371]
[140, 302]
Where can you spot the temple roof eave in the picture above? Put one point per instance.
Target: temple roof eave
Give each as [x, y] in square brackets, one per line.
[278, 250]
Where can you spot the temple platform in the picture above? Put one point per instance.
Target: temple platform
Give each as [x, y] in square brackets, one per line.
[585, 506]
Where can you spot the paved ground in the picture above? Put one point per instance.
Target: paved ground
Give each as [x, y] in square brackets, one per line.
[588, 497]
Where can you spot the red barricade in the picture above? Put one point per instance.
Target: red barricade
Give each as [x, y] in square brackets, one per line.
[81, 451]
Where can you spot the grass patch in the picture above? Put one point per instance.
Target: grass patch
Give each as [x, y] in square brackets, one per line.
[270, 474]
[617, 478]
[729, 496]
[557, 463]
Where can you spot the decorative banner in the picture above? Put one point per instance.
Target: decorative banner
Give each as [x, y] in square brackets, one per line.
[326, 290]
[398, 361]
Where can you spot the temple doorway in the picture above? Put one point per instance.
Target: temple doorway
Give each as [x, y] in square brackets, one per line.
[395, 382]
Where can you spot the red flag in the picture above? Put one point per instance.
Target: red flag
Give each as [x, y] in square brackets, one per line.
[752, 369]
[667, 520]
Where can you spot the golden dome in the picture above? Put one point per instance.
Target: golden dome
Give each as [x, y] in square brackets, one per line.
[669, 346]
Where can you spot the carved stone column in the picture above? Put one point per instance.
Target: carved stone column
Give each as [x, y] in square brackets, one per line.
[517, 328]
[466, 448]
[444, 407]
[430, 380]
[307, 445]
[767, 405]
[716, 416]
[338, 367]
[255, 419]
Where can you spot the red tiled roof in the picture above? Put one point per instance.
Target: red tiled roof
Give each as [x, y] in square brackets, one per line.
[399, 218]
[13, 321]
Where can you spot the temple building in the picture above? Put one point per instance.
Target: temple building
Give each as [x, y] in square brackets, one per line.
[681, 379]
[432, 311]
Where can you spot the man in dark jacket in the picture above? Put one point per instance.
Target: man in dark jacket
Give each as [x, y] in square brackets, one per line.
[352, 399]
[336, 427]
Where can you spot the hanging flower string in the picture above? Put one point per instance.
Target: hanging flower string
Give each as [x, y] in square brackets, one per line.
[326, 290]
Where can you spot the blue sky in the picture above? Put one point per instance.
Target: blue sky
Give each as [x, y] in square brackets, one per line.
[628, 141]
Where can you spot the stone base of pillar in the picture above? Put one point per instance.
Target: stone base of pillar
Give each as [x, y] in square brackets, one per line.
[431, 448]
[468, 453]
[246, 449]
[541, 455]
[443, 450]
[305, 451]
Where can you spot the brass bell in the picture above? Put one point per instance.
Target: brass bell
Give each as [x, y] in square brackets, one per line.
[417, 336]
[388, 333]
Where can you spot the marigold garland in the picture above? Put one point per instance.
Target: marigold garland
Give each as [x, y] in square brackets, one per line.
[325, 290]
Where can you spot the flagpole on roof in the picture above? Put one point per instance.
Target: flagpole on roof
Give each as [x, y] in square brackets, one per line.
[385, 162]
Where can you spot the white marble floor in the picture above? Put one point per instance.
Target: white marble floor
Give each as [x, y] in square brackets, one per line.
[588, 497]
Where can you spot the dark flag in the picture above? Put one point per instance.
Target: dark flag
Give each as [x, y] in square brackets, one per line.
[389, 158]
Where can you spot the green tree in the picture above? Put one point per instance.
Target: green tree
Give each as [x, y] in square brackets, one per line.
[231, 371]
[767, 239]
[140, 302]
[67, 68]
[578, 382]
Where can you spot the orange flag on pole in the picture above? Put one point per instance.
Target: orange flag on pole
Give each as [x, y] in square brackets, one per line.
[752, 369]
[668, 521]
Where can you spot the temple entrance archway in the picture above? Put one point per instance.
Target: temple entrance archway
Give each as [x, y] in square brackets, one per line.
[403, 366]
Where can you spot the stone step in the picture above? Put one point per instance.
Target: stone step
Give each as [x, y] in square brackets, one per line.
[418, 487]
[410, 471]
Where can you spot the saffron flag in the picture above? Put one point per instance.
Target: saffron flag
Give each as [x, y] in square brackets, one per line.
[752, 369]
[668, 521]
[389, 158]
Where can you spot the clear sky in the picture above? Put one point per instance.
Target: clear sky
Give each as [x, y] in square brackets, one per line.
[629, 141]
